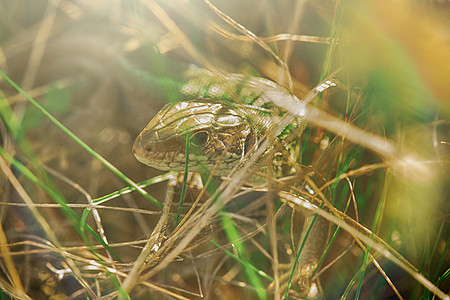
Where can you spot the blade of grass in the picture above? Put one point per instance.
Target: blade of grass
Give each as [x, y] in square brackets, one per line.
[384, 249]
[3, 296]
[444, 252]
[234, 237]
[376, 222]
[185, 178]
[443, 277]
[71, 215]
[335, 233]
[244, 262]
[10, 267]
[5, 167]
[439, 266]
[18, 132]
[338, 14]
[91, 151]
[127, 190]
[297, 258]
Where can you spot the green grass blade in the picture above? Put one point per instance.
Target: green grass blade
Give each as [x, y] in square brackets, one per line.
[71, 215]
[235, 239]
[185, 178]
[376, 221]
[80, 142]
[3, 295]
[244, 262]
[297, 258]
[127, 190]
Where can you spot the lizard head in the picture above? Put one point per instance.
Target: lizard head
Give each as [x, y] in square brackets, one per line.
[217, 133]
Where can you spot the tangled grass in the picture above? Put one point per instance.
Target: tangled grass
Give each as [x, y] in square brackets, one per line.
[81, 218]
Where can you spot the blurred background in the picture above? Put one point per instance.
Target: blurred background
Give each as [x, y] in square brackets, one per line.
[105, 68]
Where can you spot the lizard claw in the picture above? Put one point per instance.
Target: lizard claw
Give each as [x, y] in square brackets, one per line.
[309, 289]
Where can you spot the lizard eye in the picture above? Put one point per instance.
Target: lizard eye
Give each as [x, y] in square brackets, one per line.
[199, 139]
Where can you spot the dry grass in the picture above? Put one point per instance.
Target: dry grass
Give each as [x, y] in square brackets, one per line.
[375, 149]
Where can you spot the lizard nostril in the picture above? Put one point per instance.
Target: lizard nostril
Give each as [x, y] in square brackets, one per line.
[149, 137]
[147, 140]
[144, 143]
[146, 146]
